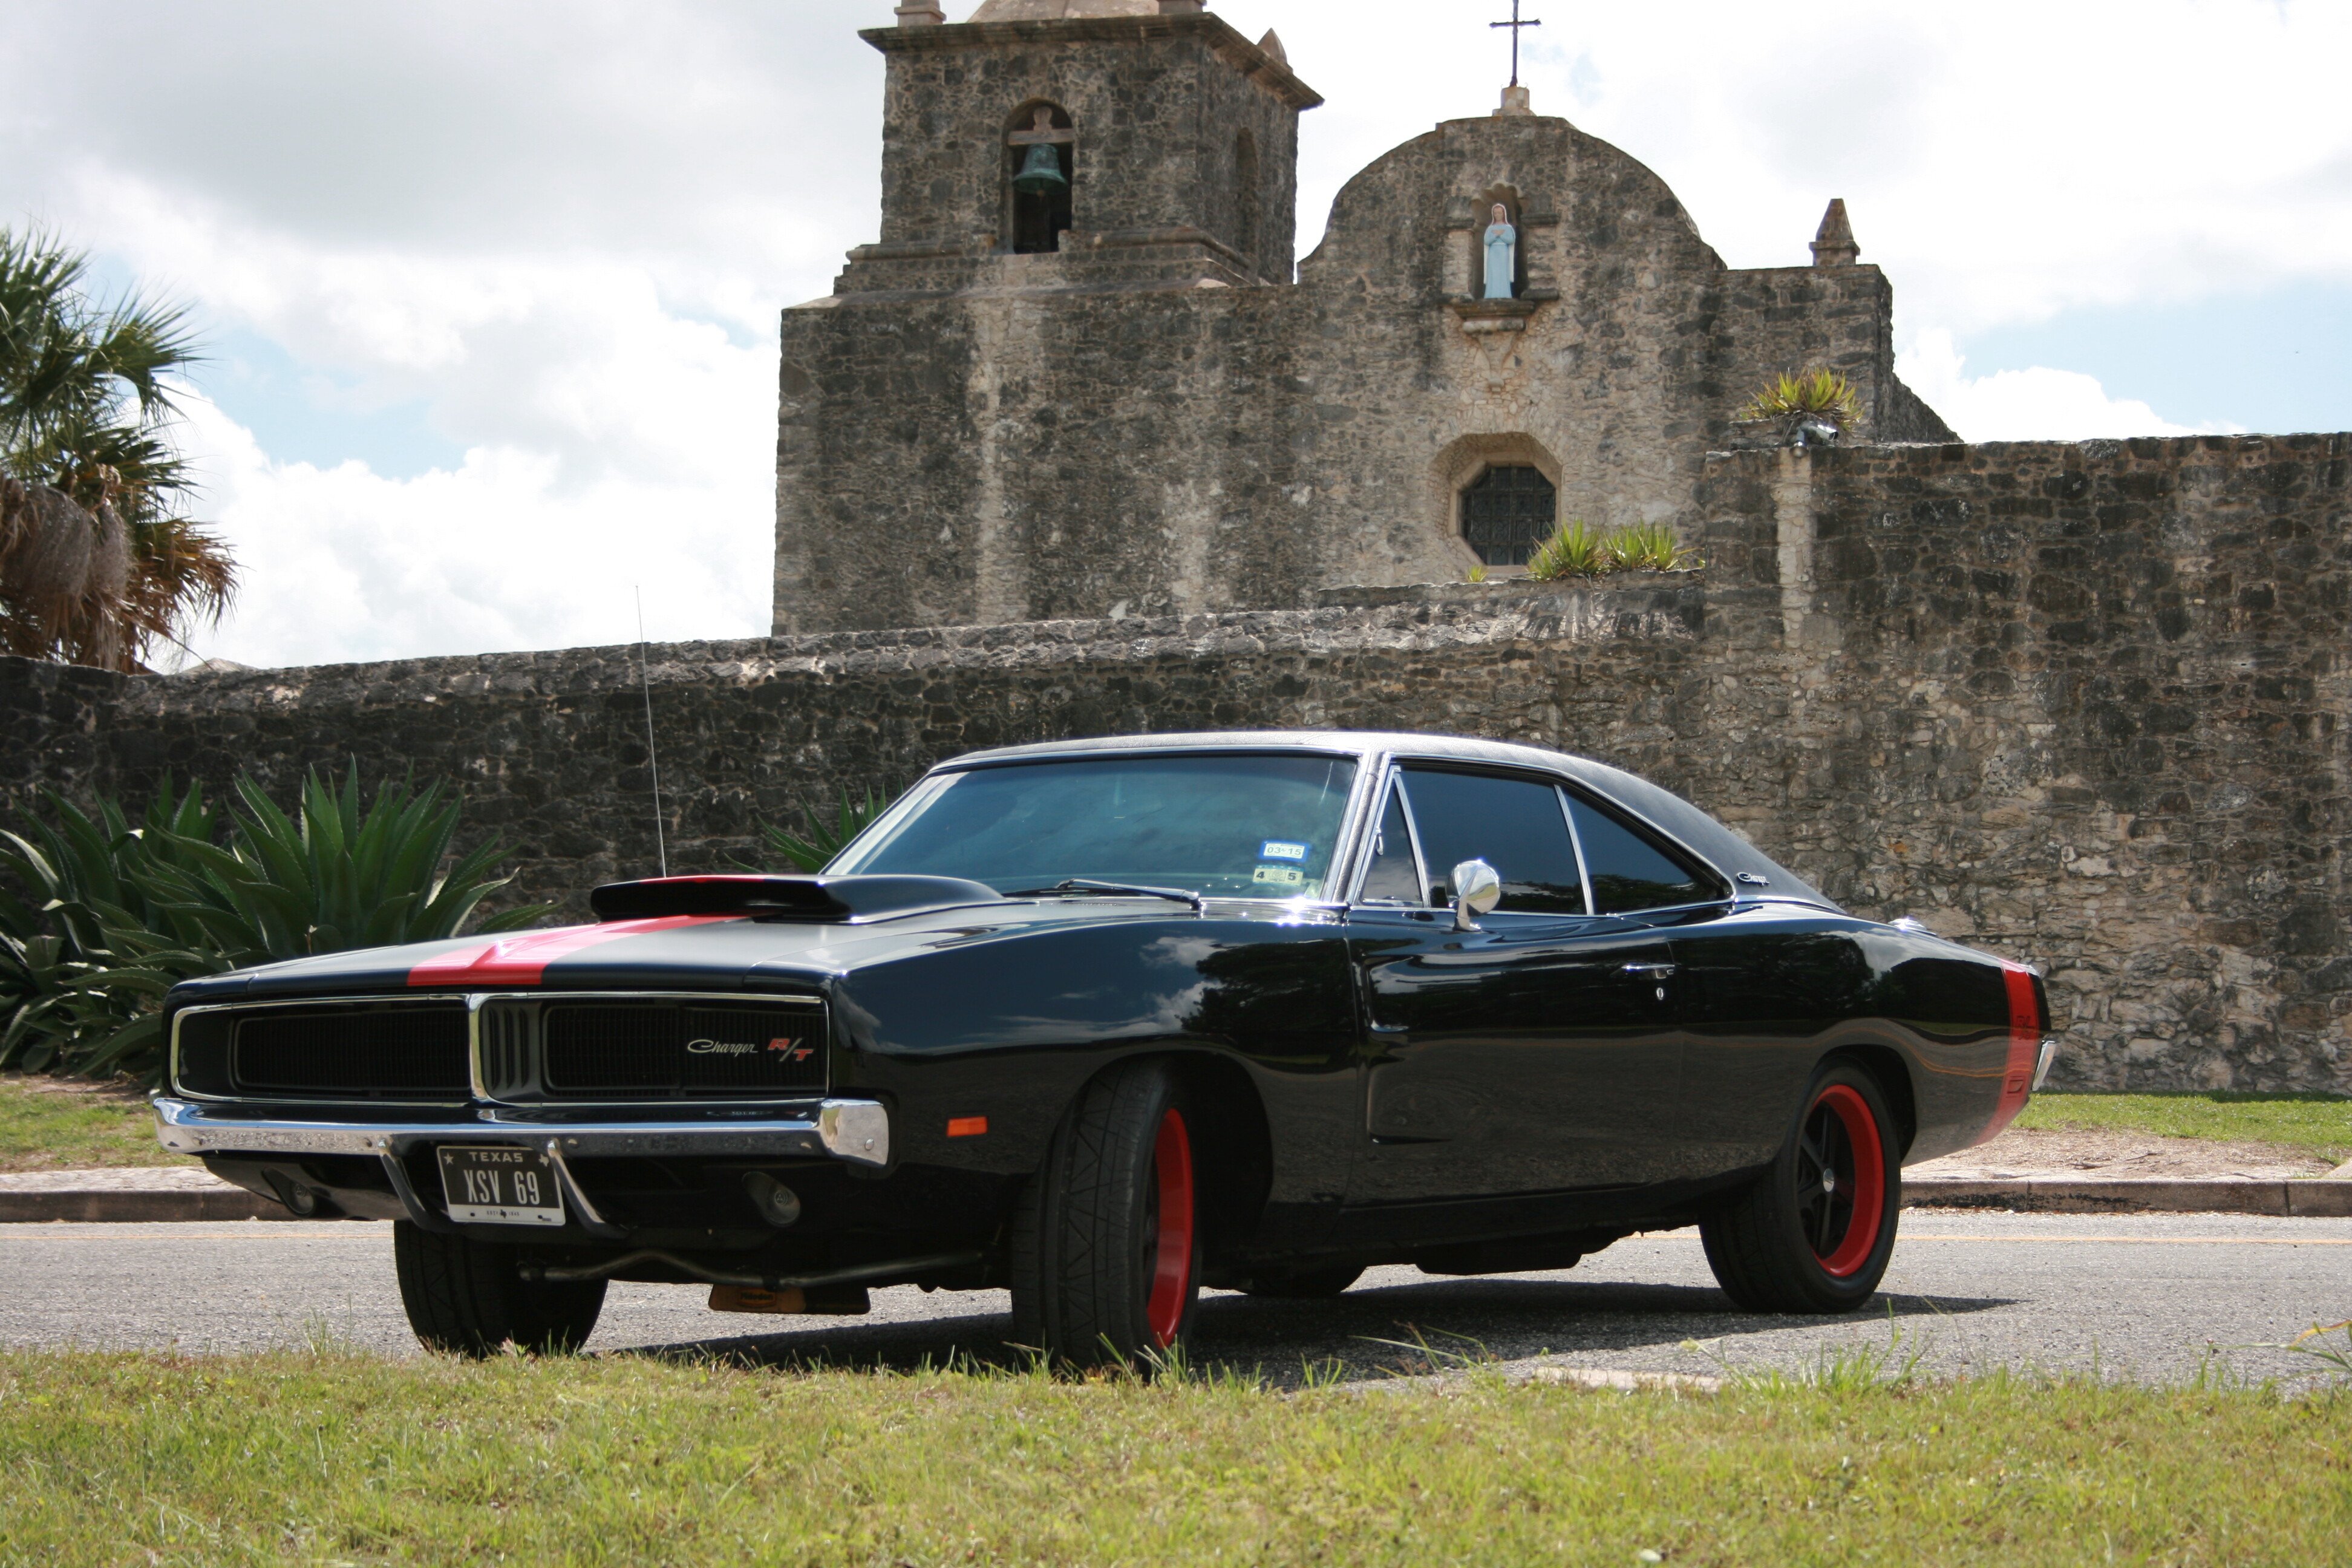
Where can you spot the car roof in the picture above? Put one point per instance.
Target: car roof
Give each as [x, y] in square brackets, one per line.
[1724, 848]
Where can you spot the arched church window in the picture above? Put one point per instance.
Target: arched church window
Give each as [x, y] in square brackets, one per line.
[1507, 512]
[1245, 216]
[1040, 164]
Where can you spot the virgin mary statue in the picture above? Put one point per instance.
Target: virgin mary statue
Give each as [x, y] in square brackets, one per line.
[1502, 255]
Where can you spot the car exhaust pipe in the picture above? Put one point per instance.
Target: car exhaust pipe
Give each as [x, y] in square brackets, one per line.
[857, 1275]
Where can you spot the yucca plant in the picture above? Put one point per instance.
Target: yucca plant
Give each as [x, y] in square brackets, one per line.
[1648, 546]
[825, 840]
[118, 916]
[1573, 549]
[1815, 394]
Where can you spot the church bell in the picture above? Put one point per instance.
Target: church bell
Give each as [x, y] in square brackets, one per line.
[1041, 172]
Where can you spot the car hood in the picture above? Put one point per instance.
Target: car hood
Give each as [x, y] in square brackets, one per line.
[698, 952]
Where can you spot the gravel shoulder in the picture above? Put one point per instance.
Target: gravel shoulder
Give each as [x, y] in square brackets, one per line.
[2110, 1153]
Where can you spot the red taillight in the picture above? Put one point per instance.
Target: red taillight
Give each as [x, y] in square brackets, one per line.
[2024, 1048]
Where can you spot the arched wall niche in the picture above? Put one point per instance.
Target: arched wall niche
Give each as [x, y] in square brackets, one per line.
[1483, 213]
[1461, 463]
[1033, 221]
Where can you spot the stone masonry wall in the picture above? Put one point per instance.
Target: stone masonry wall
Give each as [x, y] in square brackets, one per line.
[2083, 705]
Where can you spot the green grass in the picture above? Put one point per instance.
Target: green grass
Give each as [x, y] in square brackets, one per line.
[59, 1124]
[111, 1458]
[2319, 1124]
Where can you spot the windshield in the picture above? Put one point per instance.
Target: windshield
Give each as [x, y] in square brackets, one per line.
[1232, 826]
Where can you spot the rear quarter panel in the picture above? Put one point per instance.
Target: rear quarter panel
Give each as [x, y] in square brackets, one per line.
[1771, 992]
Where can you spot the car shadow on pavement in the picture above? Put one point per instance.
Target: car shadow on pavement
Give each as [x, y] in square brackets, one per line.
[1373, 1331]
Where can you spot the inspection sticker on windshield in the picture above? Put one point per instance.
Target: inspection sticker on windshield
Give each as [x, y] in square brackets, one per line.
[1280, 876]
[1275, 849]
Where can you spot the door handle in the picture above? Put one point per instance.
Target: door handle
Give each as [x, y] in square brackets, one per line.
[1660, 970]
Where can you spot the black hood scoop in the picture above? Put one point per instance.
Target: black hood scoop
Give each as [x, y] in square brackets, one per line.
[818, 900]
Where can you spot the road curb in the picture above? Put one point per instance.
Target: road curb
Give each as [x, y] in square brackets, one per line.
[2316, 1197]
[136, 1205]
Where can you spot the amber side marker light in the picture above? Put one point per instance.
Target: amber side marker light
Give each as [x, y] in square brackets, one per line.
[967, 1126]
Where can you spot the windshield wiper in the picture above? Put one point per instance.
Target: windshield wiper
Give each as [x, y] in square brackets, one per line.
[1081, 885]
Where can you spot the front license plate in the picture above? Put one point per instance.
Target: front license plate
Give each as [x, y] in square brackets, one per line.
[499, 1186]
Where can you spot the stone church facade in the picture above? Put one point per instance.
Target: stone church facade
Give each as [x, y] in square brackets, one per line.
[1141, 413]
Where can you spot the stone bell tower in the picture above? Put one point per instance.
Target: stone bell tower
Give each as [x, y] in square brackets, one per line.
[1143, 140]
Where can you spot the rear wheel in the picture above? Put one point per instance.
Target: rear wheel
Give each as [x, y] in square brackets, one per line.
[1815, 1232]
[1107, 1245]
[469, 1296]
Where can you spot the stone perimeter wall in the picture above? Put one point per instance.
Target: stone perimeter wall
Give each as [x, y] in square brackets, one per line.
[2078, 704]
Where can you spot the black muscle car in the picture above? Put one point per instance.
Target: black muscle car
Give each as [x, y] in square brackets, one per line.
[1107, 1021]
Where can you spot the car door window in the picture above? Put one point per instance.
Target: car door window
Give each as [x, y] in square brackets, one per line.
[1395, 877]
[1629, 872]
[1514, 824]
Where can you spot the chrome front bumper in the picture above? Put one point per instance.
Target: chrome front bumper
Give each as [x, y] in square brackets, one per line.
[855, 1131]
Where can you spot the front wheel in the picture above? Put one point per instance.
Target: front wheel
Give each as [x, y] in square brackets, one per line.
[1107, 1245]
[469, 1296]
[1815, 1232]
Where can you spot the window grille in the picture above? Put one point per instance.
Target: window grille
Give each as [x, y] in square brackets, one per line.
[1506, 513]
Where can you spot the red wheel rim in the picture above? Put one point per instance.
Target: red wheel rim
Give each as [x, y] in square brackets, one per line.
[1171, 1252]
[1841, 1180]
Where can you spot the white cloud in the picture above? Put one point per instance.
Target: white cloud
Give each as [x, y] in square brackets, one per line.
[343, 564]
[2038, 403]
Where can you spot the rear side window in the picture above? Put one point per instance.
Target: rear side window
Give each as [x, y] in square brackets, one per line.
[1513, 824]
[1629, 872]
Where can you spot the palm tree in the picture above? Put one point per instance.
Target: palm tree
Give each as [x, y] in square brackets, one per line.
[97, 563]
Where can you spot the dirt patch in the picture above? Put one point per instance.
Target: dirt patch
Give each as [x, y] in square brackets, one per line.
[2106, 1154]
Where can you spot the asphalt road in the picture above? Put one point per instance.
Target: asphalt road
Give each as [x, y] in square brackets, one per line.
[2149, 1297]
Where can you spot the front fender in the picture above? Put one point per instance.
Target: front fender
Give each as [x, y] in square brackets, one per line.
[1004, 1029]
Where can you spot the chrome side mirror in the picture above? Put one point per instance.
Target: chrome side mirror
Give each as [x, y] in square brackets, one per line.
[1478, 889]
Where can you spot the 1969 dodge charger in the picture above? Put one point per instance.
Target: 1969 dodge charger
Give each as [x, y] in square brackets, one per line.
[1105, 1022]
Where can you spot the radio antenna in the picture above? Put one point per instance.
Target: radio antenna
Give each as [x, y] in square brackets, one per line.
[645, 684]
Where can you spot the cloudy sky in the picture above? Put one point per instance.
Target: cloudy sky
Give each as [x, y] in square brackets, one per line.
[490, 290]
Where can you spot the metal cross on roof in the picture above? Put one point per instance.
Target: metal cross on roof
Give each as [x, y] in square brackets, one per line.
[1515, 25]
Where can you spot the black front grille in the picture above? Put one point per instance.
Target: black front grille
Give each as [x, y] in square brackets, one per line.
[402, 1051]
[620, 1049]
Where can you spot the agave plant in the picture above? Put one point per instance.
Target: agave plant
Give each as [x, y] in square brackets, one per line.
[814, 852]
[1574, 550]
[1816, 393]
[1648, 546]
[119, 915]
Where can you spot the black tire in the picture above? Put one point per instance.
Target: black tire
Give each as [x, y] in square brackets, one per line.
[1793, 1243]
[1106, 1242]
[468, 1297]
[1303, 1284]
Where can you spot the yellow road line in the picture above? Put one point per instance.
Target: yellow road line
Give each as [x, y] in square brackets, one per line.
[1687, 1234]
[2153, 1240]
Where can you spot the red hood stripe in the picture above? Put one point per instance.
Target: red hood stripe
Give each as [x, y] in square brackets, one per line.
[522, 960]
